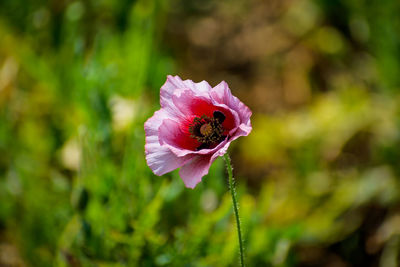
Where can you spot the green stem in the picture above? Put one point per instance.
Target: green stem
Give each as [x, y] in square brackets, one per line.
[235, 205]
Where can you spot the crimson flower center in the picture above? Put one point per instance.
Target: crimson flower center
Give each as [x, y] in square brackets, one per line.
[208, 130]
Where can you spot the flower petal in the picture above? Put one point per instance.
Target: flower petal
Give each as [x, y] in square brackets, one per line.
[159, 158]
[193, 171]
[201, 88]
[166, 93]
[244, 129]
[190, 103]
[171, 133]
[222, 95]
[175, 84]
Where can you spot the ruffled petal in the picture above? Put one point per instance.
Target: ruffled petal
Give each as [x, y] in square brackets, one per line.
[166, 93]
[194, 170]
[174, 85]
[159, 158]
[222, 95]
[201, 88]
[168, 89]
[244, 129]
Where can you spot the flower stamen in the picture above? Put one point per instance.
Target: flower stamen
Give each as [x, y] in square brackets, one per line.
[206, 130]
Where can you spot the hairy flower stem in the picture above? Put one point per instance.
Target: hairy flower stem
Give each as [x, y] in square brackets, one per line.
[235, 205]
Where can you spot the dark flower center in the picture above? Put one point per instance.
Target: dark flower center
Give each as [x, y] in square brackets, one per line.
[208, 130]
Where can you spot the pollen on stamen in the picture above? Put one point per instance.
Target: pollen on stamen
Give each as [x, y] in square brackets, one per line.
[206, 129]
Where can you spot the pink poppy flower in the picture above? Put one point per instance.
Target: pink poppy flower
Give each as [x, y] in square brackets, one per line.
[195, 125]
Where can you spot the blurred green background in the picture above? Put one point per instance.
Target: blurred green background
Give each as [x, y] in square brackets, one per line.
[318, 178]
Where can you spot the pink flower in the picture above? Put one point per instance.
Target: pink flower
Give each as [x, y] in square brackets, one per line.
[195, 125]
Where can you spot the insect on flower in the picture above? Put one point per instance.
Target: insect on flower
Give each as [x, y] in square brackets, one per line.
[195, 125]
